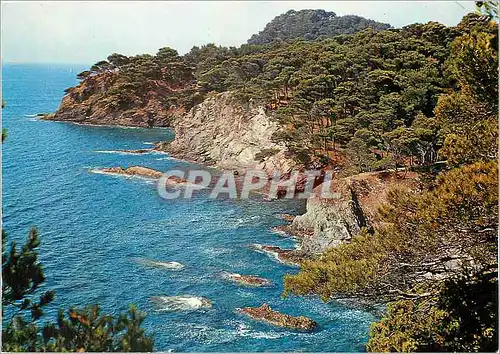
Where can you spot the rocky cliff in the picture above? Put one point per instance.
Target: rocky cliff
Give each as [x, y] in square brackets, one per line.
[93, 102]
[221, 131]
[138, 91]
[225, 133]
[329, 222]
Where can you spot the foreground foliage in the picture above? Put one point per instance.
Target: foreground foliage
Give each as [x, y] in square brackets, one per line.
[24, 302]
[460, 318]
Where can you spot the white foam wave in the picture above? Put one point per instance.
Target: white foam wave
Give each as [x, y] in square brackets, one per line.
[122, 152]
[166, 157]
[228, 275]
[180, 303]
[248, 220]
[216, 251]
[281, 232]
[259, 335]
[172, 265]
[244, 330]
[101, 172]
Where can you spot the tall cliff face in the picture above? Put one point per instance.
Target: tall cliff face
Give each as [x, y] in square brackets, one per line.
[330, 222]
[227, 134]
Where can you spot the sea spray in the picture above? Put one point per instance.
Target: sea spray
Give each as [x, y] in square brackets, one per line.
[180, 303]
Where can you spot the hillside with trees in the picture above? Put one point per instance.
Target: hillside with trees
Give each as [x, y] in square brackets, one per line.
[433, 256]
[362, 102]
[311, 25]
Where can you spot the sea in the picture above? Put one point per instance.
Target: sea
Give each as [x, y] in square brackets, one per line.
[108, 239]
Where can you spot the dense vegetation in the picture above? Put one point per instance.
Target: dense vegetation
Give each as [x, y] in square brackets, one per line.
[368, 97]
[434, 254]
[363, 101]
[312, 24]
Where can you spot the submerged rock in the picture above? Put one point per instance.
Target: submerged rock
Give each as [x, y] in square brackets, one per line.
[285, 256]
[180, 303]
[144, 172]
[249, 280]
[266, 314]
[172, 265]
[137, 151]
[286, 217]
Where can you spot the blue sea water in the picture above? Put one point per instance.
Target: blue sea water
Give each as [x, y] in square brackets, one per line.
[94, 227]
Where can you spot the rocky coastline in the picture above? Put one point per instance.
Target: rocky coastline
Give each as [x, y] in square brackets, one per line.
[228, 134]
[88, 103]
[329, 222]
[224, 133]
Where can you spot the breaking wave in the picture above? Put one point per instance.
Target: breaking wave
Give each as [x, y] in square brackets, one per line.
[172, 265]
[180, 303]
[122, 152]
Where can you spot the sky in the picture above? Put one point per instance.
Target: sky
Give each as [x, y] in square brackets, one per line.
[88, 31]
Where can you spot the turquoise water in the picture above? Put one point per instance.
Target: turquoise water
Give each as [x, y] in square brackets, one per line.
[94, 227]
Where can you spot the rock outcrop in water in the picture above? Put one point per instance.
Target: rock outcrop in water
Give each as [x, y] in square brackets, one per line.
[134, 171]
[264, 313]
[285, 256]
[145, 172]
[248, 280]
